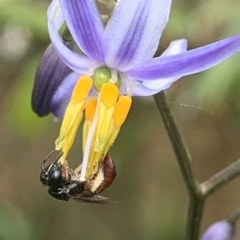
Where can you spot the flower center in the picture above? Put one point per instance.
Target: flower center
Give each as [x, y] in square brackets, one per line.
[104, 75]
[104, 112]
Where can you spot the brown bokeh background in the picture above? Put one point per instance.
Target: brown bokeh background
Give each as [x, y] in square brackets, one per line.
[152, 199]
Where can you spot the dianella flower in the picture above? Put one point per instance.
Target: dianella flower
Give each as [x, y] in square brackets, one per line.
[108, 63]
[221, 230]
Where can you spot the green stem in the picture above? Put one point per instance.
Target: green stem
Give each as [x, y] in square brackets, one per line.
[178, 145]
[197, 192]
[196, 199]
[221, 178]
[195, 213]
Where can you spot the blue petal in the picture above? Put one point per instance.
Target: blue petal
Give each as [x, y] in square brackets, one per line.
[85, 24]
[63, 94]
[190, 62]
[50, 73]
[78, 63]
[132, 34]
[138, 89]
[221, 230]
[175, 47]
[148, 88]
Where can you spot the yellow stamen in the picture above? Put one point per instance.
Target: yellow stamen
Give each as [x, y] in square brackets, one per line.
[120, 113]
[89, 114]
[108, 94]
[81, 89]
[88, 147]
[101, 131]
[73, 116]
[111, 138]
[71, 136]
[90, 108]
[108, 98]
[121, 110]
[72, 113]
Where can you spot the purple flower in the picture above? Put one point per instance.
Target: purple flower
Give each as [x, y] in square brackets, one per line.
[221, 230]
[112, 63]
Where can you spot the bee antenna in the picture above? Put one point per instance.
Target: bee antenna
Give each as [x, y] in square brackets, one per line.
[46, 158]
[59, 157]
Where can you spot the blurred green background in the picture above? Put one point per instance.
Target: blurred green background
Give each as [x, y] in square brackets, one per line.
[152, 200]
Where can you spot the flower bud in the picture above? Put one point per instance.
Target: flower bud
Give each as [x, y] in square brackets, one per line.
[50, 73]
[222, 230]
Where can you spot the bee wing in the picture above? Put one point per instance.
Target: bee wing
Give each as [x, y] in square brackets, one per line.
[95, 199]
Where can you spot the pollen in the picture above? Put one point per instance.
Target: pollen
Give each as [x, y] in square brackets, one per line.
[81, 89]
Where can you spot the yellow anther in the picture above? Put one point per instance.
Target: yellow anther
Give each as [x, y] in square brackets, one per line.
[104, 119]
[111, 139]
[71, 136]
[73, 115]
[89, 114]
[72, 118]
[108, 94]
[121, 110]
[90, 109]
[81, 89]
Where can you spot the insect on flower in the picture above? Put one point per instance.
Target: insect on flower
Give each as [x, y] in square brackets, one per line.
[94, 75]
[64, 183]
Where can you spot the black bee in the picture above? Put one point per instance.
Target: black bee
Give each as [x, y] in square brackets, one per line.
[65, 185]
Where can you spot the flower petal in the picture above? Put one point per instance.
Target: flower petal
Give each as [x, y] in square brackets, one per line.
[78, 63]
[148, 88]
[175, 47]
[50, 73]
[138, 89]
[63, 93]
[190, 62]
[85, 24]
[132, 34]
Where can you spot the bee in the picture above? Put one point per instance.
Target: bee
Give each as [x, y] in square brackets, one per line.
[64, 184]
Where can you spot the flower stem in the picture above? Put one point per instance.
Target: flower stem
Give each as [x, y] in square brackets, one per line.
[221, 178]
[197, 193]
[194, 191]
[195, 213]
[179, 147]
